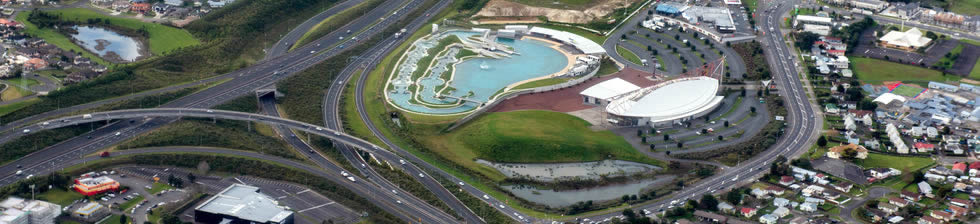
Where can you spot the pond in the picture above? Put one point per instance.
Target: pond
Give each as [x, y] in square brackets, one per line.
[565, 198]
[582, 170]
[108, 44]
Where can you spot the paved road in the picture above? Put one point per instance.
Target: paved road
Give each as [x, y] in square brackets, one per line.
[873, 193]
[287, 41]
[799, 134]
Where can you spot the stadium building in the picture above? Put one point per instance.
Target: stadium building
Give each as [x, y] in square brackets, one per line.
[667, 103]
[242, 204]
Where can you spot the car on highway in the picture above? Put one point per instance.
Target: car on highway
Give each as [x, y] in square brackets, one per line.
[421, 175]
[402, 161]
[312, 52]
[486, 197]
[118, 133]
[27, 131]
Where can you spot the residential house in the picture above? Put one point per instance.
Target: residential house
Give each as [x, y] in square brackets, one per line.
[710, 217]
[959, 168]
[942, 86]
[759, 193]
[929, 220]
[897, 201]
[813, 200]
[932, 132]
[787, 180]
[781, 212]
[808, 207]
[877, 215]
[775, 190]
[870, 5]
[958, 211]
[837, 152]
[748, 212]
[780, 202]
[945, 216]
[912, 197]
[843, 186]
[140, 8]
[961, 202]
[974, 169]
[725, 207]
[924, 147]
[831, 108]
[768, 219]
[889, 208]
[813, 190]
[35, 64]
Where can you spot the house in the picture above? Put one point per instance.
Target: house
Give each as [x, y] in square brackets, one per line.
[897, 201]
[775, 190]
[889, 208]
[831, 108]
[780, 202]
[908, 195]
[974, 169]
[958, 211]
[813, 190]
[843, 186]
[870, 5]
[725, 207]
[876, 214]
[759, 193]
[748, 212]
[932, 132]
[768, 219]
[140, 8]
[813, 200]
[945, 216]
[837, 152]
[924, 147]
[959, 168]
[710, 217]
[781, 212]
[787, 180]
[929, 220]
[941, 170]
[960, 202]
[808, 207]
[35, 64]
[895, 219]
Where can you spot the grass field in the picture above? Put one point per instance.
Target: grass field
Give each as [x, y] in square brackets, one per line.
[966, 7]
[6, 109]
[60, 197]
[542, 82]
[24, 82]
[628, 55]
[158, 187]
[14, 92]
[903, 163]
[112, 219]
[875, 71]
[161, 40]
[907, 91]
[533, 137]
[607, 67]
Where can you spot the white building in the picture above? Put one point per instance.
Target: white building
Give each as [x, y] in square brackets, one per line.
[909, 40]
[781, 212]
[808, 207]
[21, 211]
[768, 219]
[815, 20]
[871, 5]
[585, 45]
[667, 103]
[605, 91]
[896, 139]
[822, 30]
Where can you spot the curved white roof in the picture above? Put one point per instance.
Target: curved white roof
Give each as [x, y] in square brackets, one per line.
[610, 88]
[670, 100]
[887, 98]
[584, 44]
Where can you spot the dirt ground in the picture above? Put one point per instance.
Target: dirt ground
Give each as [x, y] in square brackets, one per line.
[568, 99]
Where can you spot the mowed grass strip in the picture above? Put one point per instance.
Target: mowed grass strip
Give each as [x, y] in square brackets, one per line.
[628, 55]
[875, 71]
[904, 163]
[162, 38]
[335, 21]
[540, 137]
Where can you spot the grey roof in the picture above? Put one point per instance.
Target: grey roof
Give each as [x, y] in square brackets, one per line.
[245, 202]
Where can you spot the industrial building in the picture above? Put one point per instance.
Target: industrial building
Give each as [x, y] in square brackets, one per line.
[91, 212]
[242, 204]
[16, 210]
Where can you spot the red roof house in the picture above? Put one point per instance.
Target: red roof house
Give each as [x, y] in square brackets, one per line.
[140, 7]
[960, 202]
[924, 146]
[959, 167]
[748, 212]
[958, 211]
[787, 180]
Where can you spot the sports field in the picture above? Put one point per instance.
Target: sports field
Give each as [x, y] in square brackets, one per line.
[907, 91]
[875, 71]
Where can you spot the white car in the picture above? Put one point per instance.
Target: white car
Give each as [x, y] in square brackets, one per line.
[312, 52]
[27, 131]
[501, 206]
[402, 161]
[462, 184]
[118, 133]
[421, 175]
[486, 197]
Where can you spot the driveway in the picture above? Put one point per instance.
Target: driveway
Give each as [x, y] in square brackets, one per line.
[873, 193]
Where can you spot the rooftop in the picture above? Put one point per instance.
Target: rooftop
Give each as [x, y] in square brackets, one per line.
[610, 88]
[669, 100]
[245, 202]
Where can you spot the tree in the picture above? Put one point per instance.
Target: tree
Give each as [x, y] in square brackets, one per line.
[721, 138]
[652, 147]
[726, 124]
[666, 137]
[680, 144]
[752, 109]
[822, 141]
[931, 35]
[850, 153]
[734, 197]
[643, 139]
[122, 219]
[649, 48]
[742, 92]
[806, 39]
[203, 167]
[708, 202]
[946, 130]
[639, 132]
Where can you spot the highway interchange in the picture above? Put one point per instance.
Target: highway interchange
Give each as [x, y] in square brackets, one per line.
[802, 120]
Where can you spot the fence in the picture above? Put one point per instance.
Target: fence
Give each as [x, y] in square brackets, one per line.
[510, 95]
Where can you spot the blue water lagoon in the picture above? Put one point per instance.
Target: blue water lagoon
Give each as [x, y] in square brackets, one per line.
[461, 74]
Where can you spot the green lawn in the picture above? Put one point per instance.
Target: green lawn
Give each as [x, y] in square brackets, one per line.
[609, 66]
[975, 73]
[904, 163]
[158, 187]
[24, 82]
[60, 197]
[628, 55]
[542, 82]
[534, 137]
[875, 71]
[162, 38]
[6, 109]
[907, 91]
[966, 7]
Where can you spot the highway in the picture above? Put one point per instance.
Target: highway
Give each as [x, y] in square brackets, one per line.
[243, 82]
[287, 41]
[800, 133]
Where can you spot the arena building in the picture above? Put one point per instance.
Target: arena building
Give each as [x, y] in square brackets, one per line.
[667, 103]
